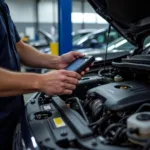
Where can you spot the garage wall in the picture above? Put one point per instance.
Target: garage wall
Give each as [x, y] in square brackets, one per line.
[77, 7]
[24, 16]
[22, 11]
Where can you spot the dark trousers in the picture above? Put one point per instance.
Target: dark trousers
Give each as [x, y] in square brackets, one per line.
[11, 109]
[7, 132]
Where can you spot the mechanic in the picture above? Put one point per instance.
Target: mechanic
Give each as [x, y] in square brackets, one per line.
[13, 84]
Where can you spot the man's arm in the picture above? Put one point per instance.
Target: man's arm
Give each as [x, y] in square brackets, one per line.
[33, 58]
[13, 83]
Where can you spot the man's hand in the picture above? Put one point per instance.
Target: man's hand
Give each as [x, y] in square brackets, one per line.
[59, 82]
[67, 58]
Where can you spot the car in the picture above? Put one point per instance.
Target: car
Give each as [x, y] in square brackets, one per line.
[46, 38]
[80, 33]
[52, 122]
[96, 39]
[110, 109]
[119, 45]
[44, 41]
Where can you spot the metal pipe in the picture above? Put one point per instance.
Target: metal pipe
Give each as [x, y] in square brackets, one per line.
[65, 26]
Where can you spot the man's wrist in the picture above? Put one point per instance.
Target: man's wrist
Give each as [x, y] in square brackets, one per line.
[58, 62]
[52, 62]
[36, 84]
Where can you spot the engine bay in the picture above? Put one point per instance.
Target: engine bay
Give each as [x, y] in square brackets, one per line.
[107, 111]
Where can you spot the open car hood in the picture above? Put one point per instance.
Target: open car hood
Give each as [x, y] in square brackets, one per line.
[130, 17]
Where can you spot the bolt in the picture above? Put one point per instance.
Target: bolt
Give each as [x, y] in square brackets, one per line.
[63, 133]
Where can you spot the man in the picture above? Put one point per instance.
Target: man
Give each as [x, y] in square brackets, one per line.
[13, 84]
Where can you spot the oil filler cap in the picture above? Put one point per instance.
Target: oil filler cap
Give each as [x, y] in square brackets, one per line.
[143, 117]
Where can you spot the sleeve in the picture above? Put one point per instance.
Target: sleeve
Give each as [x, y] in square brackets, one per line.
[17, 37]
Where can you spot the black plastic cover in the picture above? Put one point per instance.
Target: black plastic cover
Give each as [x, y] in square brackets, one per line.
[123, 95]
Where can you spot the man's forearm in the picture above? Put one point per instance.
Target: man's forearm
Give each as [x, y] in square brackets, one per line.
[14, 93]
[13, 83]
[58, 82]
[33, 58]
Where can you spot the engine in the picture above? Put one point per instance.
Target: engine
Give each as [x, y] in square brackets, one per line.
[121, 96]
[111, 113]
[117, 111]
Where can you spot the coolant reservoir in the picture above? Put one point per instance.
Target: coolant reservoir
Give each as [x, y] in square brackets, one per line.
[141, 123]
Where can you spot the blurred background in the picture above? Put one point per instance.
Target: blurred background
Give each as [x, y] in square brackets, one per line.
[59, 26]
[31, 15]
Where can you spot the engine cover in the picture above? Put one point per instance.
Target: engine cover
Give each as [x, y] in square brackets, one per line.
[123, 95]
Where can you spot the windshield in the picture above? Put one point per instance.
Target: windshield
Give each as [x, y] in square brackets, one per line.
[88, 37]
[79, 35]
[99, 36]
[125, 45]
[121, 44]
[116, 42]
[81, 38]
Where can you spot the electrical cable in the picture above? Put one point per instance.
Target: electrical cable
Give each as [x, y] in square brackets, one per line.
[142, 107]
[109, 29]
[124, 131]
[99, 122]
[122, 119]
[115, 125]
[102, 72]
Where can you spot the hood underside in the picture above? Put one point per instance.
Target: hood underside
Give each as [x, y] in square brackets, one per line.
[130, 17]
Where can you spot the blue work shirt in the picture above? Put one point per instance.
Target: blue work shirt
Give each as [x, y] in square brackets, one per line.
[10, 107]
